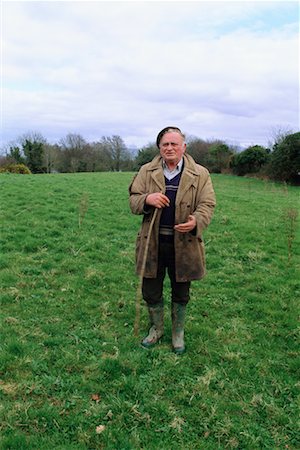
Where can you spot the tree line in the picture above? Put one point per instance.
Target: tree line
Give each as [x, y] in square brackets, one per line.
[32, 153]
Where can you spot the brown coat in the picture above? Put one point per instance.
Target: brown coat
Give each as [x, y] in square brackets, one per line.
[195, 196]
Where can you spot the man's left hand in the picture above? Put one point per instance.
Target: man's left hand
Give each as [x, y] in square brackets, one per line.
[186, 226]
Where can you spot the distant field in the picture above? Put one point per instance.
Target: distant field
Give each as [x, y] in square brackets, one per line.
[72, 374]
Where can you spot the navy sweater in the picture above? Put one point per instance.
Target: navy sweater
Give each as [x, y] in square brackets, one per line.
[167, 220]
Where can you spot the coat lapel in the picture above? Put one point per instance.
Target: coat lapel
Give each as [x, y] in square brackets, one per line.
[157, 173]
[187, 180]
[158, 177]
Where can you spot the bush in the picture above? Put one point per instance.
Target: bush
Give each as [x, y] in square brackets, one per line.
[220, 156]
[285, 159]
[145, 155]
[199, 150]
[15, 168]
[250, 160]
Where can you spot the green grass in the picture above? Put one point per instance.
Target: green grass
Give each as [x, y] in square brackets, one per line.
[69, 359]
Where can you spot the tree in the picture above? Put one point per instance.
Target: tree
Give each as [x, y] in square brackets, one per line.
[51, 157]
[199, 150]
[101, 157]
[220, 156]
[29, 149]
[32, 136]
[73, 157]
[250, 160]
[16, 155]
[117, 150]
[73, 141]
[285, 159]
[145, 155]
[34, 153]
[278, 134]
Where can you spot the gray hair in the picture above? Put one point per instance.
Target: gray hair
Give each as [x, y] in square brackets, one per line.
[168, 130]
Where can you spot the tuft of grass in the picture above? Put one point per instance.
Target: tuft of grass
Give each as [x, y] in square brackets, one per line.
[290, 217]
[83, 207]
[72, 373]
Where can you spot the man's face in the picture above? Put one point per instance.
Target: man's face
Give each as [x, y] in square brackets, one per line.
[172, 147]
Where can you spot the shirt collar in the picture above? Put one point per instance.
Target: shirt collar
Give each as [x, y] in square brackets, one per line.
[178, 167]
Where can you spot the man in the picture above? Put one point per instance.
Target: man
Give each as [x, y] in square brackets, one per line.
[183, 195]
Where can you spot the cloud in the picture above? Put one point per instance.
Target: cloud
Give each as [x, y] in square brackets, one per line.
[227, 70]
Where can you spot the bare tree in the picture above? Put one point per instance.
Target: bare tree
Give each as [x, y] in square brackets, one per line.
[72, 141]
[32, 136]
[117, 150]
[72, 157]
[278, 134]
[51, 157]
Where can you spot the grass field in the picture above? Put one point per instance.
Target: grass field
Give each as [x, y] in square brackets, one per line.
[73, 376]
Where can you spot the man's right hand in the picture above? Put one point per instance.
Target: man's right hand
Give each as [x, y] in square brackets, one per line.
[158, 200]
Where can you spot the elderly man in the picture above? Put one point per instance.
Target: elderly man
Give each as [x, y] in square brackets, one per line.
[183, 195]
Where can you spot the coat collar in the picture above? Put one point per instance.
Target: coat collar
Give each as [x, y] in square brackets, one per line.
[190, 172]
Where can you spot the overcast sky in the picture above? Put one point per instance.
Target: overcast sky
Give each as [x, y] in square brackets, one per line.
[218, 70]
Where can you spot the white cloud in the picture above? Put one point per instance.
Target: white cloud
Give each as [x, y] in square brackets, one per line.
[221, 69]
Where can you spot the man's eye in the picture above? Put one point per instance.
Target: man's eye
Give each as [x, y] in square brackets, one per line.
[173, 144]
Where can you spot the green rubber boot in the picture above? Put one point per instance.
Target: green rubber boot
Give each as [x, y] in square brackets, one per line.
[178, 317]
[156, 316]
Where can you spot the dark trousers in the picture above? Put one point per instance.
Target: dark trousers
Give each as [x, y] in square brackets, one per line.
[152, 288]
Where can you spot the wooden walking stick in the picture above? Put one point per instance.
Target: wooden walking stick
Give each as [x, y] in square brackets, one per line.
[139, 289]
